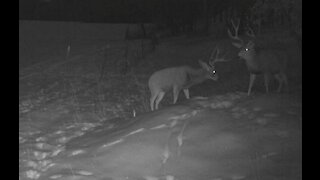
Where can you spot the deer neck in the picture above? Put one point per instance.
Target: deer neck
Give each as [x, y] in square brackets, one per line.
[252, 63]
[195, 76]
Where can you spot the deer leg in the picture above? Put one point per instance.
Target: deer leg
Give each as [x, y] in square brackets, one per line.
[176, 92]
[186, 93]
[159, 98]
[252, 79]
[266, 82]
[152, 99]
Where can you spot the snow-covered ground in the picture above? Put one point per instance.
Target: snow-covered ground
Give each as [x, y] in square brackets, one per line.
[75, 125]
[231, 136]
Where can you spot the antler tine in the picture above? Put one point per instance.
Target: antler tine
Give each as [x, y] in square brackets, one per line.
[212, 53]
[236, 26]
[250, 32]
[236, 30]
[217, 54]
[213, 59]
[217, 58]
[221, 58]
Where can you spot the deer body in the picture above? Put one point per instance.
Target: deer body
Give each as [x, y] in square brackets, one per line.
[269, 62]
[177, 79]
[264, 61]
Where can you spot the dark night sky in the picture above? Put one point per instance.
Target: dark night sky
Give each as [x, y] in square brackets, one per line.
[81, 10]
[111, 10]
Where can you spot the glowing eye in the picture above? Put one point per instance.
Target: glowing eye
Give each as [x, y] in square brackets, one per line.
[213, 72]
[246, 49]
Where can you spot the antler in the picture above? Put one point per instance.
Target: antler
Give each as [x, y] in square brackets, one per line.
[250, 32]
[213, 59]
[236, 34]
[236, 30]
[215, 51]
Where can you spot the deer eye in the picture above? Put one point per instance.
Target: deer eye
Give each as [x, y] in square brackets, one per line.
[246, 49]
[213, 71]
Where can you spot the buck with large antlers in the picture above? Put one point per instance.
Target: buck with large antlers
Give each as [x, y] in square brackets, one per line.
[266, 61]
[181, 78]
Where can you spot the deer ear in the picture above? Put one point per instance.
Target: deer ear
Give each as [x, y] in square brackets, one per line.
[203, 65]
[238, 45]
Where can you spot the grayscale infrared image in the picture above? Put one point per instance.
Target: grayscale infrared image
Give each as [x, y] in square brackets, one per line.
[160, 90]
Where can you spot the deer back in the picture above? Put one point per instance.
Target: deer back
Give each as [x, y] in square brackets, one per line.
[181, 77]
[265, 60]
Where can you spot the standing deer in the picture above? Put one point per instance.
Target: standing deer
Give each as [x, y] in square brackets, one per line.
[181, 78]
[269, 62]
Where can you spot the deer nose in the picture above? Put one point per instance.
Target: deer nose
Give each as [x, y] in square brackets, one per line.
[214, 77]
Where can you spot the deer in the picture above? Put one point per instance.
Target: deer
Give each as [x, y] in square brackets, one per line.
[265, 61]
[181, 78]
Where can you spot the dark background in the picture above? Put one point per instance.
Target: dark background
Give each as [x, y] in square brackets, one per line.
[125, 10]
